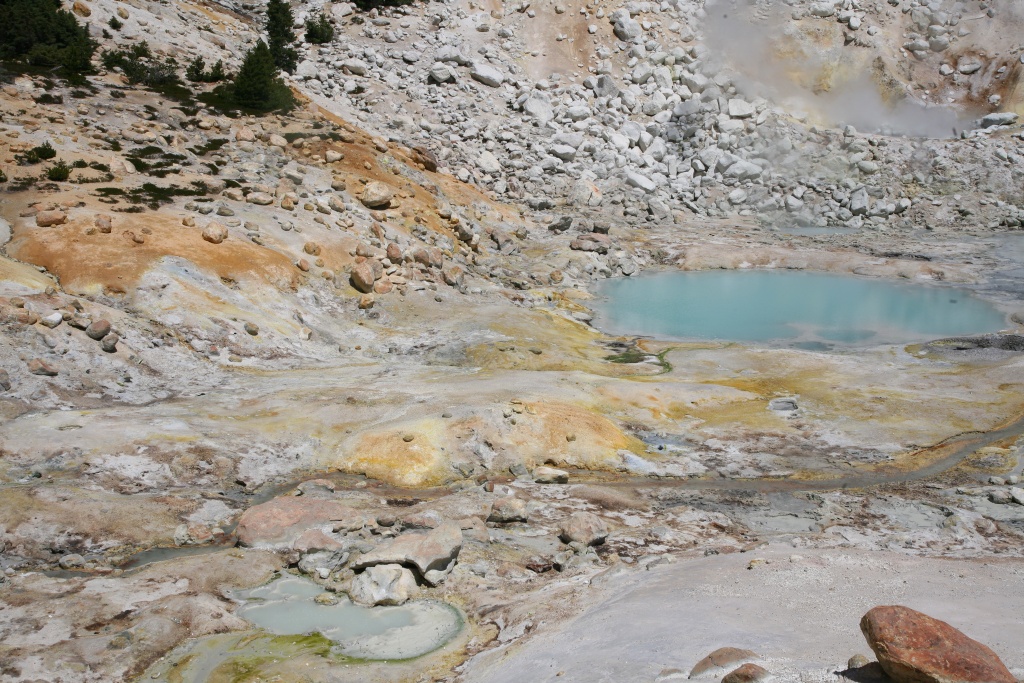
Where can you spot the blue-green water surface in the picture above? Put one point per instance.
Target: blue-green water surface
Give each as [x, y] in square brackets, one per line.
[796, 308]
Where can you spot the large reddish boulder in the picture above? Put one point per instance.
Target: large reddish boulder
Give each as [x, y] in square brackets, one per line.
[362, 277]
[281, 522]
[915, 648]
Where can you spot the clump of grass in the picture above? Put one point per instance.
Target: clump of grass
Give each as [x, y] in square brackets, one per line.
[635, 355]
[629, 356]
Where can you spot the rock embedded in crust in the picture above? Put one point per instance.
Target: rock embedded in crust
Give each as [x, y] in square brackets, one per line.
[5, 380]
[377, 195]
[48, 219]
[383, 584]
[260, 198]
[1017, 495]
[550, 475]
[486, 74]
[508, 510]
[71, 561]
[98, 329]
[362, 277]
[722, 658]
[279, 522]
[857, 661]
[425, 158]
[433, 554]
[747, 673]
[584, 527]
[109, 343]
[38, 366]
[913, 647]
[215, 233]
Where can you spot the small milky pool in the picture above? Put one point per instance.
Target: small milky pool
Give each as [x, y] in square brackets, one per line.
[287, 606]
[815, 311]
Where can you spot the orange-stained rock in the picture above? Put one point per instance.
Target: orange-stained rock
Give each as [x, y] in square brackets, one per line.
[394, 253]
[282, 521]
[584, 527]
[425, 158]
[312, 540]
[215, 233]
[748, 673]
[38, 366]
[48, 219]
[721, 658]
[362, 277]
[115, 265]
[377, 195]
[915, 648]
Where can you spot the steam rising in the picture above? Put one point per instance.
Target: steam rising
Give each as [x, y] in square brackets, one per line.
[758, 55]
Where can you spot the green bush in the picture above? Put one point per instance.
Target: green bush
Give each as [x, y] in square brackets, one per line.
[141, 67]
[115, 24]
[40, 33]
[36, 154]
[49, 98]
[197, 73]
[319, 30]
[280, 36]
[59, 172]
[44, 151]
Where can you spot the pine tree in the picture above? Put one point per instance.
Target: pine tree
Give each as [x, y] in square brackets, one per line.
[281, 36]
[319, 30]
[196, 70]
[255, 83]
[41, 33]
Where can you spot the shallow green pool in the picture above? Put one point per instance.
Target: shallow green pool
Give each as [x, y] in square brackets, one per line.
[802, 309]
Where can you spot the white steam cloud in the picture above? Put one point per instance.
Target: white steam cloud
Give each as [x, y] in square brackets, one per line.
[758, 54]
